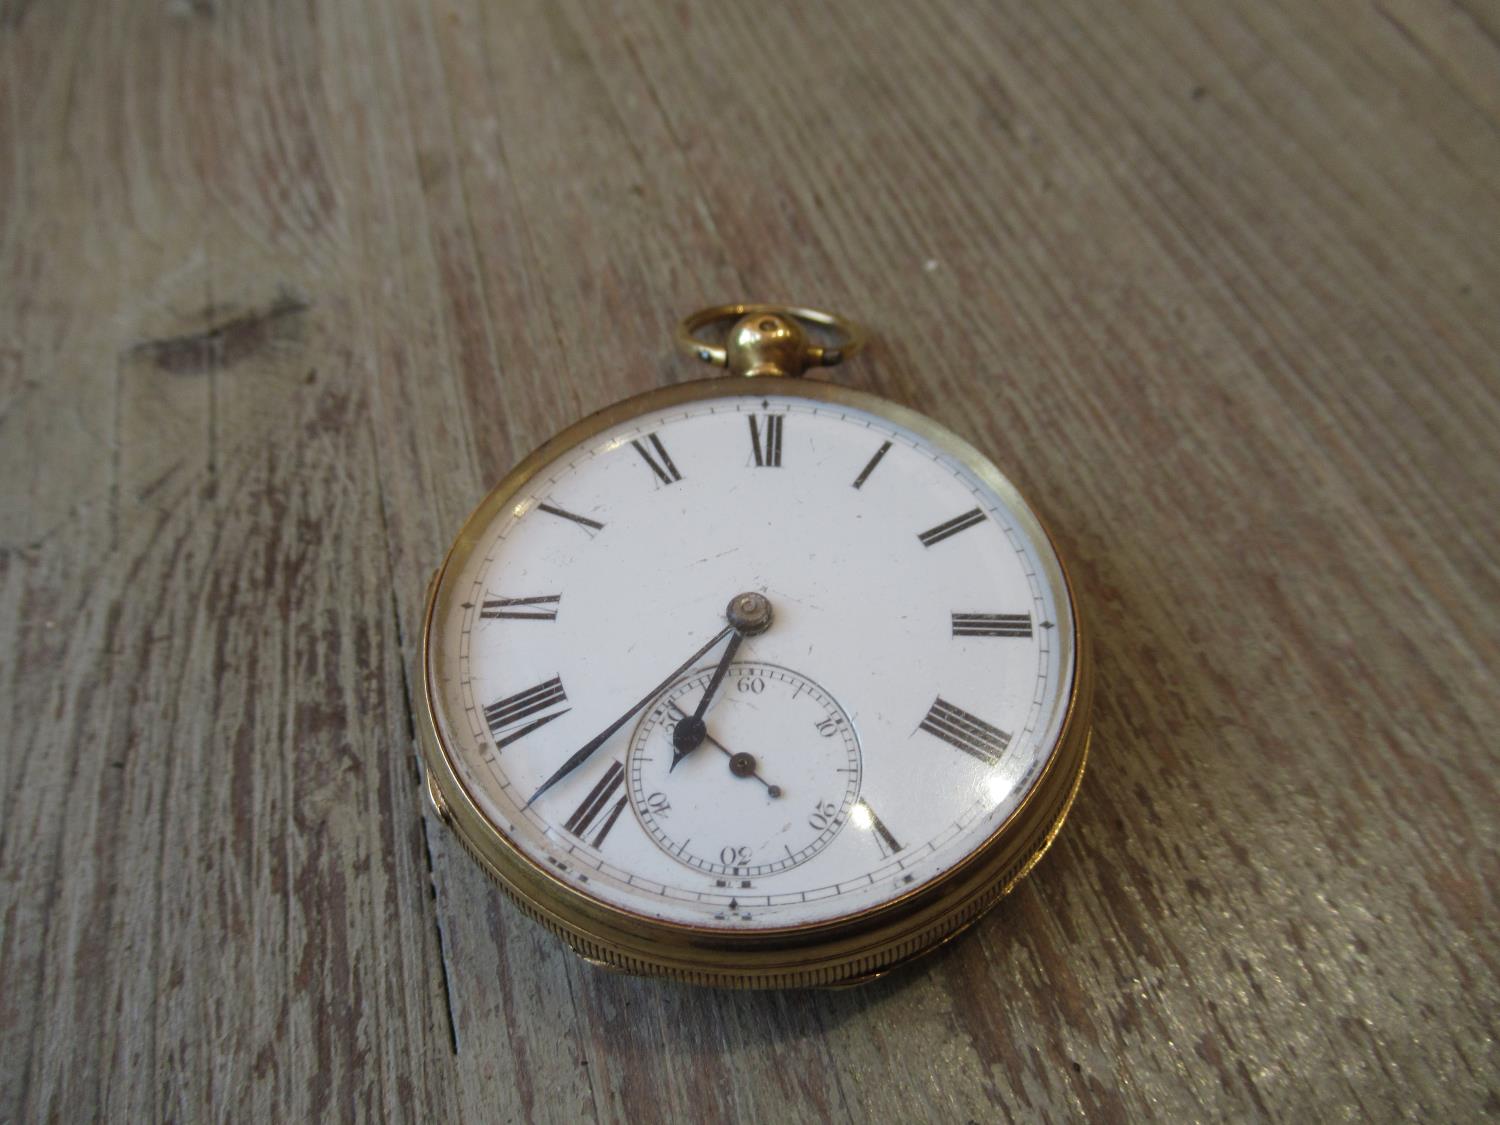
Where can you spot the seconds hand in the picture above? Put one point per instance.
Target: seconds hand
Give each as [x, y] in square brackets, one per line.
[748, 614]
[741, 765]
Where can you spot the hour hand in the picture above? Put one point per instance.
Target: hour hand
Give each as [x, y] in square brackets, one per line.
[582, 754]
[689, 733]
[748, 614]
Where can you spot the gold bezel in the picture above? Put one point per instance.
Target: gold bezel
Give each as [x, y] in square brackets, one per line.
[842, 951]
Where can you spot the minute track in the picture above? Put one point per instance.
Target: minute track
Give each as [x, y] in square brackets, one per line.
[992, 625]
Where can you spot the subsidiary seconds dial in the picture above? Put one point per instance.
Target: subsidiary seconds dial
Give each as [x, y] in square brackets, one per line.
[776, 779]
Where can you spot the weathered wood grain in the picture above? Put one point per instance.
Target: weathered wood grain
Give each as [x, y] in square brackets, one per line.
[284, 289]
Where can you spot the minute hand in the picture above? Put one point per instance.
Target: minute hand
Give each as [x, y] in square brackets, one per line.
[581, 755]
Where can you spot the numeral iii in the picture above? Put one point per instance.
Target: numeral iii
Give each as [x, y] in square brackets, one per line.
[992, 624]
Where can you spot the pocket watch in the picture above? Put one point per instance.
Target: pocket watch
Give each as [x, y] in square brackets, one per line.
[754, 681]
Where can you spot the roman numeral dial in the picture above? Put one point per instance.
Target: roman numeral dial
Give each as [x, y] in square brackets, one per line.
[992, 624]
[967, 732]
[518, 715]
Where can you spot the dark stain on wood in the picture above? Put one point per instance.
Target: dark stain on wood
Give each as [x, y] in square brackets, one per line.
[229, 338]
[13, 14]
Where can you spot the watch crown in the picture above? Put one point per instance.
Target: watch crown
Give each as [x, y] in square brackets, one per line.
[765, 343]
[769, 339]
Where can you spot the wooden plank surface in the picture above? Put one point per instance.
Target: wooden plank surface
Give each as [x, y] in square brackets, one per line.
[284, 288]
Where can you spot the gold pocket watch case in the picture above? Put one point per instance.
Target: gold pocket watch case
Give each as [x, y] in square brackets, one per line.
[757, 681]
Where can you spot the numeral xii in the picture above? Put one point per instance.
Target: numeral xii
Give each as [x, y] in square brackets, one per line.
[765, 441]
[540, 608]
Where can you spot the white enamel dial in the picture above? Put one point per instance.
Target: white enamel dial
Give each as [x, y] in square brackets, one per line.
[912, 683]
